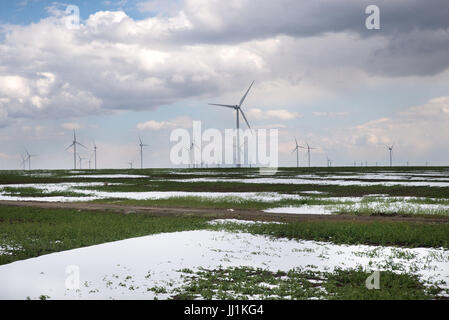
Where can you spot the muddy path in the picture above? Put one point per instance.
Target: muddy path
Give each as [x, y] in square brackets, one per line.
[213, 212]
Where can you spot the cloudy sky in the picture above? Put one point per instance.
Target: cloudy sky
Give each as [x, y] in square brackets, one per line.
[144, 68]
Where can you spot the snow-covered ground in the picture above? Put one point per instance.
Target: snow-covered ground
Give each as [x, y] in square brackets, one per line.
[305, 209]
[377, 206]
[127, 269]
[108, 176]
[336, 182]
[380, 202]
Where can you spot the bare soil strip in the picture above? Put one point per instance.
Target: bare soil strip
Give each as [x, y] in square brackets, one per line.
[214, 213]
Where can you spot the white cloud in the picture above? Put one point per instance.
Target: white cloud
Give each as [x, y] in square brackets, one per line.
[152, 125]
[280, 114]
[72, 125]
[330, 114]
[419, 132]
[435, 108]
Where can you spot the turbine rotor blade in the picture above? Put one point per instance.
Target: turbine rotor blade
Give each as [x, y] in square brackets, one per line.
[222, 105]
[243, 98]
[244, 117]
[70, 146]
[81, 144]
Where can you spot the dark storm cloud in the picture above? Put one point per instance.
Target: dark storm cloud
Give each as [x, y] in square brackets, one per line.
[240, 21]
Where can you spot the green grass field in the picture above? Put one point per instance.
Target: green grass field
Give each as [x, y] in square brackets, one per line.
[27, 232]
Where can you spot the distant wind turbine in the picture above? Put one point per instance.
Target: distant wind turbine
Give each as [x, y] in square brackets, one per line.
[28, 158]
[297, 152]
[191, 148]
[95, 155]
[80, 161]
[329, 162]
[141, 144]
[90, 160]
[391, 151]
[238, 110]
[74, 143]
[24, 161]
[130, 164]
[308, 151]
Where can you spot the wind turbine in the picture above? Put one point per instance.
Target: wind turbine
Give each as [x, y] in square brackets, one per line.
[90, 159]
[130, 164]
[238, 110]
[74, 143]
[391, 150]
[297, 152]
[95, 154]
[141, 144]
[191, 150]
[80, 161]
[308, 151]
[24, 161]
[28, 158]
[329, 162]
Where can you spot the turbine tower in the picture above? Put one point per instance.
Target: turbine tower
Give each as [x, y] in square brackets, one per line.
[24, 161]
[308, 151]
[74, 143]
[191, 151]
[130, 164]
[297, 152]
[80, 161]
[238, 110]
[28, 158]
[329, 161]
[90, 159]
[390, 148]
[141, 144]
[95, 155]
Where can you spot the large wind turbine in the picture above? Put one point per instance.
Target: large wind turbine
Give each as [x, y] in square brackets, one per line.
[297, 152]
[238, 110]
[390, 148]
[141, 144]
[74, 143]
[28, 158]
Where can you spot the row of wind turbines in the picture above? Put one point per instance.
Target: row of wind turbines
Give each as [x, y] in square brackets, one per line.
[238, 109]
[80, 159]
[76, 143]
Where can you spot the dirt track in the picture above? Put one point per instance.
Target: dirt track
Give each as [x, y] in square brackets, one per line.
[215, 213]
